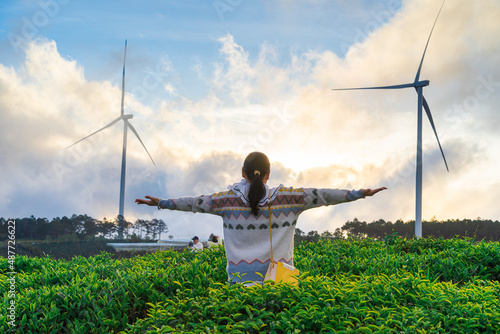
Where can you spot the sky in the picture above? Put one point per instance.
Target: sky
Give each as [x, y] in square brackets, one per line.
[208, 82]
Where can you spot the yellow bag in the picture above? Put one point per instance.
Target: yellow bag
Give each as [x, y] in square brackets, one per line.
[279, 271]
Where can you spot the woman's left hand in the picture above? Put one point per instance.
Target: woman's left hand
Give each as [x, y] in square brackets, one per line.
[371, 192]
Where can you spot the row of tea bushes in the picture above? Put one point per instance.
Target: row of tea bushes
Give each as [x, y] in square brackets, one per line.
[456, 260]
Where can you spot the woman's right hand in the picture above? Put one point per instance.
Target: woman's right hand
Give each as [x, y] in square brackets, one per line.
[152, 201]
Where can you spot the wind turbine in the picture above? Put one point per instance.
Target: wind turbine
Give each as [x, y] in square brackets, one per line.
[419, 87]
[126, 124]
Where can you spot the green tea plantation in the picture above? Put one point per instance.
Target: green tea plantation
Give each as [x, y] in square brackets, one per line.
[346, 286]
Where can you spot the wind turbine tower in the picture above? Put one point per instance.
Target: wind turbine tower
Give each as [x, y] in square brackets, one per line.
[126, 125]
[419, 87]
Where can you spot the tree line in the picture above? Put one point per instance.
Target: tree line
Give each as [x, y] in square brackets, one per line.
[479, 229]
[83, 227]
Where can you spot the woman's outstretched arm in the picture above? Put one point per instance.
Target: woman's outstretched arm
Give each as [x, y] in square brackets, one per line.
[315, 197]
[202, 203]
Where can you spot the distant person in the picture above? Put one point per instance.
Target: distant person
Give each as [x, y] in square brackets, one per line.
[244, 211]
[197, 245]
[213, 241]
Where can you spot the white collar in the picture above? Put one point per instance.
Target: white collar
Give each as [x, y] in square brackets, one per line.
[241, 189]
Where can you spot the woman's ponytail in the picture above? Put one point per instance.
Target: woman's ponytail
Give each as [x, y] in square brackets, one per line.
[256, 192]
[256, 167]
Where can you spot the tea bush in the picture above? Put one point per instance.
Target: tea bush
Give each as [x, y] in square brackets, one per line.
[365, 286]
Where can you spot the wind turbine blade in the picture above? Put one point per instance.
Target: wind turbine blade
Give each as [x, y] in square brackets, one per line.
[123, 77]
[107, 126]
[380, 87]
[428, 39]
[429, 116]
[137, 135]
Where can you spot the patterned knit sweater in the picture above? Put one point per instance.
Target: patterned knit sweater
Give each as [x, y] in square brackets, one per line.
[246, 236]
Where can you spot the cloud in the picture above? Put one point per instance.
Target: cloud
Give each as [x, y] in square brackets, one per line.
[278, 102]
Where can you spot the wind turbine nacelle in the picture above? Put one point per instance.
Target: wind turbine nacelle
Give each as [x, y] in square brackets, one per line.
[422, 83]
[127, 116]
